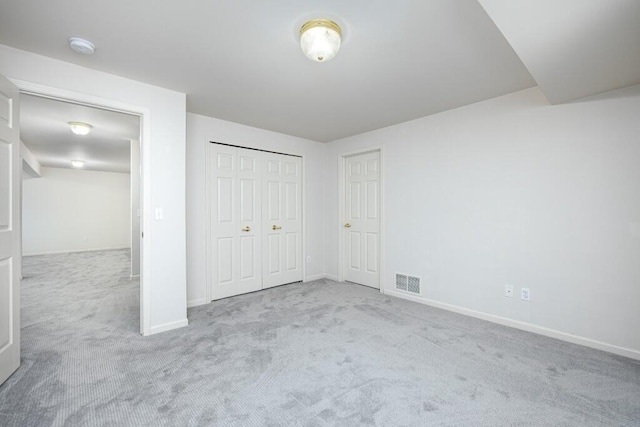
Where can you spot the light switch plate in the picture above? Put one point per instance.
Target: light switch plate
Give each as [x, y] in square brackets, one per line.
[159, 214]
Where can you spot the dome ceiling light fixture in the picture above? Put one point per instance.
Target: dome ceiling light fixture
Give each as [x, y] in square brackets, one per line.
[77, 163]
[80, 128]
[320, 39]
[81, 45]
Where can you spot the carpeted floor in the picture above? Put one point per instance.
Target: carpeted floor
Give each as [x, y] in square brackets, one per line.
[315, 354]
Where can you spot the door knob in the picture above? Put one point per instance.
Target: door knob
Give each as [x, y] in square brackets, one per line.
[347, 225]
[276, 227]
[247, 228]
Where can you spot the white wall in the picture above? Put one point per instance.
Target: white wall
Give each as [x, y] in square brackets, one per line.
[511, 190]
[68, 210]
[516, 191]
[135, 208]
[164, 288]
[201, 130]
[30, 165]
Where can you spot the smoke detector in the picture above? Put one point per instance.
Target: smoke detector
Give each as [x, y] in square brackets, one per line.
[81, 45]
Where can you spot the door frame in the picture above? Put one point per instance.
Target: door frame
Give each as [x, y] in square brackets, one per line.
[303, 254]
[342, 182]
[144, 113]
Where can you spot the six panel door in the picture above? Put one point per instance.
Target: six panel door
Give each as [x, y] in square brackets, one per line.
[235, 243]
[10, 251]
[255, 216]
[362, 219]
[282, 219]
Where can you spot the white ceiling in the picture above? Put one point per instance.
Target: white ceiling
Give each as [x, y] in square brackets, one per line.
[44, 129]
[573, 48]
[240, 60]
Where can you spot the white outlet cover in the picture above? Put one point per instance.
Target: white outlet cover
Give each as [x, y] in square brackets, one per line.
[526, 294]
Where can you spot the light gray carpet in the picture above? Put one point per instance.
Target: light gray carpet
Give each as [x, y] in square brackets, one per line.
[322, 353]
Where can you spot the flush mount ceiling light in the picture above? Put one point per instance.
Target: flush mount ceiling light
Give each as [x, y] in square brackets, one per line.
[80, 128]
[81, 45]
[320, 39]
[77, 163]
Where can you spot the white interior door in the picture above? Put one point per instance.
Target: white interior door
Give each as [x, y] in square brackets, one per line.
[236, 229]
[362, 219]
[10, 252]
[282, 219]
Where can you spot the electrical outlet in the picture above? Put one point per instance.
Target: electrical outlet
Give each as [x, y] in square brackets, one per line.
[526, 294]
[308, 260]
[508, 291]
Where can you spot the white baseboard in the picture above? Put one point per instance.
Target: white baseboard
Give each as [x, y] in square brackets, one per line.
[529, 327]
[314, 277]
[71, 251]
[168, 326]
[331, 277]
[197, 302]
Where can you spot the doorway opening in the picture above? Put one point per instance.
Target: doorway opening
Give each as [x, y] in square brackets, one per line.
[81, 203]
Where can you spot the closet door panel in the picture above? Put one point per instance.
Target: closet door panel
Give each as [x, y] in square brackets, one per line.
[273, 254]
[255, 214]
[292, 252]
[283, 182]
[235, 220]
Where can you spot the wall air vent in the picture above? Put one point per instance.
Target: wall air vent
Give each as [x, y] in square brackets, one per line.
[408, 283]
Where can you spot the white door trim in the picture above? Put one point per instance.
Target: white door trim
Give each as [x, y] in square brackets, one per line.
[342, 158]
[145, 165]
[212, 140]
[208, 292]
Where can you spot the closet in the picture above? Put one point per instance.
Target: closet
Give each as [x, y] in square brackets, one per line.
[255, 220]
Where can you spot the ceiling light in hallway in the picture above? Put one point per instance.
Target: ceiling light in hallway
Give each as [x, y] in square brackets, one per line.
[80, 128]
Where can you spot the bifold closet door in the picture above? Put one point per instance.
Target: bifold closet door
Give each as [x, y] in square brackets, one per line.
[255, 239]
[235, 177]
[282, 219]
